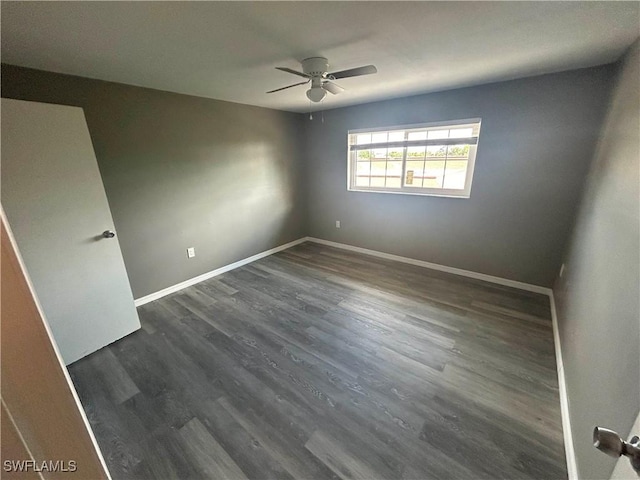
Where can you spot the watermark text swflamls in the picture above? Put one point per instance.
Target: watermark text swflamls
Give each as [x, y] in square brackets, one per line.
[43, 466]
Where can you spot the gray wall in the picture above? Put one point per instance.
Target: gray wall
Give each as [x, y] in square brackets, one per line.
[597, 298]
[536, 143]
[182, 171]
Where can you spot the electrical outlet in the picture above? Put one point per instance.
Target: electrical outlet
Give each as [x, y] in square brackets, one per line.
[337, 223]
[191, 252]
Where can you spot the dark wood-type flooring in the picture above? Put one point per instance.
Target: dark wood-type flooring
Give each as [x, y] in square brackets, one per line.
[321, 363]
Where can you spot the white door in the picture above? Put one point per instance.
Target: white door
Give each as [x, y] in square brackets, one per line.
[53, 197]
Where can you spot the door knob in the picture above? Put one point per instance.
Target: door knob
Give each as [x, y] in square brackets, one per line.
[108, 234]
[610, 443]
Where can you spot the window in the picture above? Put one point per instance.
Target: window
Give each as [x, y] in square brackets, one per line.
[428, 159]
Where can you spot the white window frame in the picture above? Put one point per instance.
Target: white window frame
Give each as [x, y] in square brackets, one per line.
[352, 150]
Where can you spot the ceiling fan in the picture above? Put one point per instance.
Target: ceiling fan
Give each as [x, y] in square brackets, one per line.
[314, 69]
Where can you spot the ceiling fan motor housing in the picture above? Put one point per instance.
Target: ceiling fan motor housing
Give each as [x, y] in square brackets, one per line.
[315, 66]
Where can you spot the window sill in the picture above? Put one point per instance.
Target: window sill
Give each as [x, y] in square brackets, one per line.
[444, 194]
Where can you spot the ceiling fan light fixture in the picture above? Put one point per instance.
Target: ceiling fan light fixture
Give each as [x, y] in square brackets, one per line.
[316, 94]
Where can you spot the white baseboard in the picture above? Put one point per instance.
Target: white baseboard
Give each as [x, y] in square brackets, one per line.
[213, 273]
[572, 467]
[564, 403]
[436, 266]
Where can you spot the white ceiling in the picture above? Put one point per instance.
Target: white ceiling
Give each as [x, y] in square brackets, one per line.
[228, 50]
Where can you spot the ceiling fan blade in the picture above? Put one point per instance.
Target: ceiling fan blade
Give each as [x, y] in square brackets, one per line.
[289, 86]
[353, 72]
[288, 70]
[332, 87]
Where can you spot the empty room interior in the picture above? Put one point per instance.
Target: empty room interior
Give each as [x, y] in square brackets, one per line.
[309, 240]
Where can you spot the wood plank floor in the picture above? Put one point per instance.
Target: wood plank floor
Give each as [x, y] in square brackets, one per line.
[321, 363]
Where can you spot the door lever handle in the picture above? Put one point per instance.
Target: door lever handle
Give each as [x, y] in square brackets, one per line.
[108, 234]
[609, 442]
